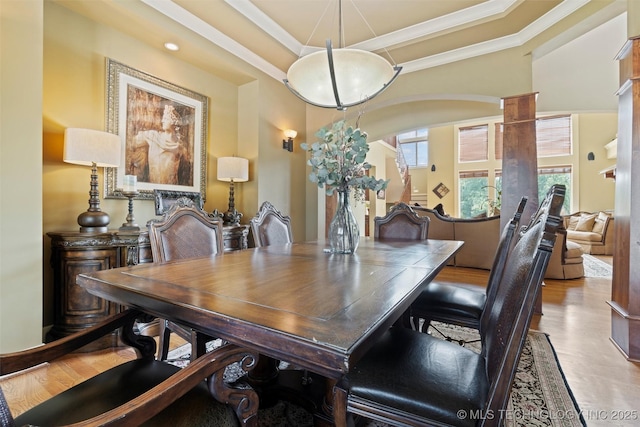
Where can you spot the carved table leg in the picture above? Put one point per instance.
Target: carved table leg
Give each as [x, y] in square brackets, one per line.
[241, 397]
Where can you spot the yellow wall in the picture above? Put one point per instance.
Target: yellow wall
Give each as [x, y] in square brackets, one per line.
[240, 123]
[21, 258]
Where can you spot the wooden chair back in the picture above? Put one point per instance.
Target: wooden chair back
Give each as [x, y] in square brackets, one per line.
[401, 222]
[505, 245]
[185, 231]
[506, 320]
[270, 227]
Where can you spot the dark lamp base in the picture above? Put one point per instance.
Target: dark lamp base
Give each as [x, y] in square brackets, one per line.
[93, 222]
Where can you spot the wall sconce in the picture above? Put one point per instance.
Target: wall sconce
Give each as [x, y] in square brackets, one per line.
[433, 168]
[287, 144]
[591, 156]
[93, 148]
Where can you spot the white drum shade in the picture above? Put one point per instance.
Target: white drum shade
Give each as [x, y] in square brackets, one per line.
[233, 168]
[88, 146]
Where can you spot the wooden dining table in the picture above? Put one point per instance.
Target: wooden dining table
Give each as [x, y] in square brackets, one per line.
[297, 303]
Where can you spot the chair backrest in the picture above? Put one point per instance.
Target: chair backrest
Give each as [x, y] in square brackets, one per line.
[270, 227]
[401, 222]
[505, 245]
[185, 231]
[506, 320]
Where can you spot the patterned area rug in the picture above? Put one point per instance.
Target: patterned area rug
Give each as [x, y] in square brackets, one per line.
[540, 395]
[593, 267]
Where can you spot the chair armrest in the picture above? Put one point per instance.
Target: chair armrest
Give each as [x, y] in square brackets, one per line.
[17, 361]
[210, 365]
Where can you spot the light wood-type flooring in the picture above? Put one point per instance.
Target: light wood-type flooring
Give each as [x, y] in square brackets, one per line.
[575, 315]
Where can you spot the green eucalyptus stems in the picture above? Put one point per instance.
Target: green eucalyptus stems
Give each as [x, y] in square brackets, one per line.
[338, 161]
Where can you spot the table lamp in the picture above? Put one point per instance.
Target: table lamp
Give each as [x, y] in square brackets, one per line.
[93, 148]
[232, 169]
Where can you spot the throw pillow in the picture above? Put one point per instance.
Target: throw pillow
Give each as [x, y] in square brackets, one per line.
[573, 222]
[586, 222]
[600, 223]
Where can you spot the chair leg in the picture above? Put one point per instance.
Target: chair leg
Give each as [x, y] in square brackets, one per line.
[163, 340]
[340, 407]
[198, 344]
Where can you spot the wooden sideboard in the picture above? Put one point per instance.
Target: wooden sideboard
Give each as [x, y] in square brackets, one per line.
[74, 253]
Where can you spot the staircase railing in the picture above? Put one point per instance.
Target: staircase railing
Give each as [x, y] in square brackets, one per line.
[403, 167]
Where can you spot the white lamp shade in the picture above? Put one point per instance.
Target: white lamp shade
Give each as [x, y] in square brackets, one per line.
[235, 168]
[87, 146]
[360, 75]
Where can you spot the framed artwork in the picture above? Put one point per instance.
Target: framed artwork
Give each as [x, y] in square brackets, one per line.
[164, 133]
[441, 190]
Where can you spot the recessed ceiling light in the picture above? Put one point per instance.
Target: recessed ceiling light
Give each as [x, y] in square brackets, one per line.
[171, 46]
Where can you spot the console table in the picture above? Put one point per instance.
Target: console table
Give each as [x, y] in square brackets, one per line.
[74, 253]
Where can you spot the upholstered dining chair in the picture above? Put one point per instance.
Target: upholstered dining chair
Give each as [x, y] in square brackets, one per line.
[459, 303]
[270, 226]
[450, 384]
[140, 392]
[401, 222]
[184, 231]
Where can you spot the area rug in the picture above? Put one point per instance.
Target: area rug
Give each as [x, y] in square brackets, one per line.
[540, 395]
[593, 267]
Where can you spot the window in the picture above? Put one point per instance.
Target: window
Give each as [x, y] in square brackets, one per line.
[548, 176]
[553, 137]
[415, 147]
[473, 143]
[473, 192]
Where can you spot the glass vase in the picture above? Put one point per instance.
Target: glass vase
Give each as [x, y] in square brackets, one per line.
[344, 233]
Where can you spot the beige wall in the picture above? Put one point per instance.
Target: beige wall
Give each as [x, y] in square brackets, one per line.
[239, 123]
[594, 132]
[21, 259]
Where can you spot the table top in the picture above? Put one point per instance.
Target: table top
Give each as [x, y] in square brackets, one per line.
[295, 302]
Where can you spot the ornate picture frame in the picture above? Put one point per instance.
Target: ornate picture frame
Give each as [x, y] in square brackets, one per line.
[164, 199]
[164, 133]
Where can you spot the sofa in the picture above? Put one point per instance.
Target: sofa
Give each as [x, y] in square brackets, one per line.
[566, 260]
[593, 231]
[480, 236]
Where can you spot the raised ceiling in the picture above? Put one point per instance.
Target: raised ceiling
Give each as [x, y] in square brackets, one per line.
[417, 34]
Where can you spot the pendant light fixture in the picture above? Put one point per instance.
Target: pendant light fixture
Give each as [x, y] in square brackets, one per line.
[340, 78]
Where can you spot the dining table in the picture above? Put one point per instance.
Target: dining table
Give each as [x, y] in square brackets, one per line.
[319, 311]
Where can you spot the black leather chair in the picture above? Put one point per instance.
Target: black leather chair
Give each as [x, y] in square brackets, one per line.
[456, 303]
[143, 391]
[413, 379]
[270, 227]
[401, 222]
[184, 231]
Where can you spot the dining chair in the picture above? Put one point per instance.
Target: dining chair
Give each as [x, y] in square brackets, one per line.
[401, 222]
[184, 231]
[459, 303]
[140, 392]
[270, 227]
[412, 379]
